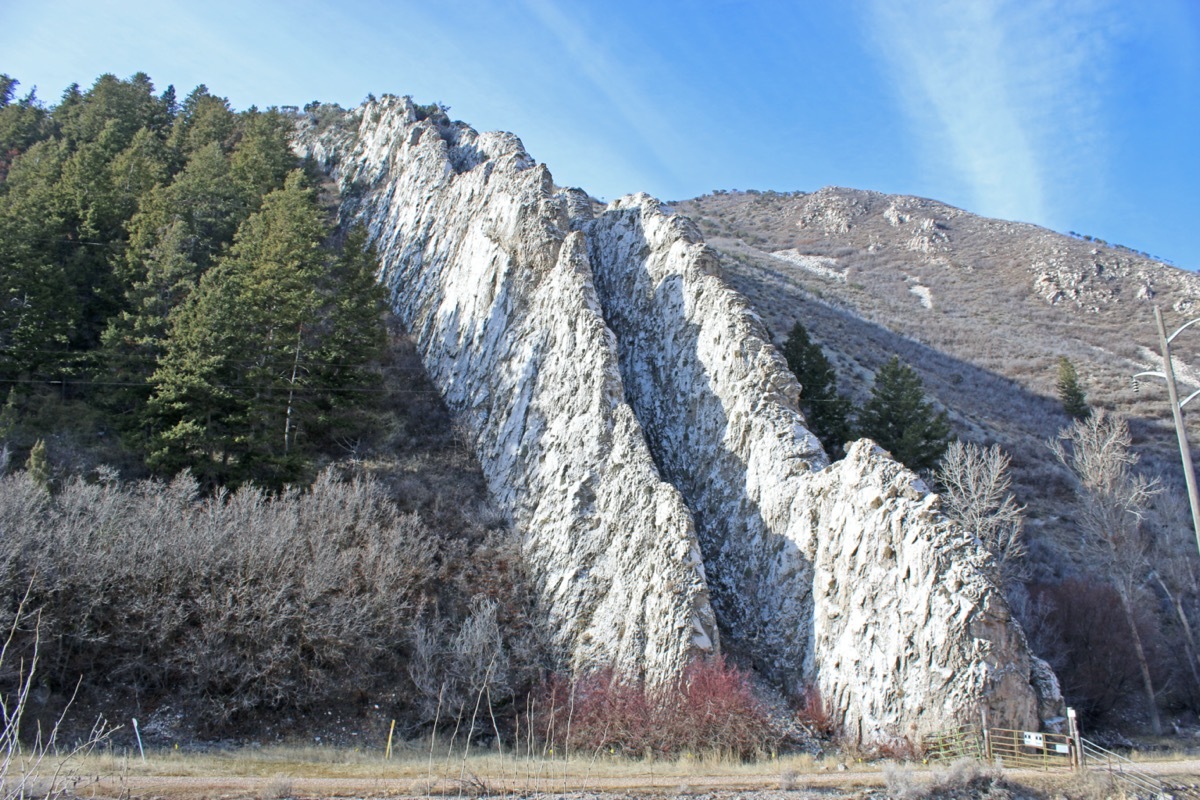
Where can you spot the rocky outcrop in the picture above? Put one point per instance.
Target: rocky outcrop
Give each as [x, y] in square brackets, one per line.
[630, 414]
[498, 294]
[908, 630]
[841, 576]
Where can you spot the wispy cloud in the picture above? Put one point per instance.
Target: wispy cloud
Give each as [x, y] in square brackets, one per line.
[639, 106]
[1007, 93]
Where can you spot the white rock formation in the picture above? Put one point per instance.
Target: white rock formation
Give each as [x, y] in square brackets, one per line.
[499, 297]
[592, 357]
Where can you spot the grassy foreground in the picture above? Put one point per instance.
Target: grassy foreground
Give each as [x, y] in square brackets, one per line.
[277, 772]
[417, 761]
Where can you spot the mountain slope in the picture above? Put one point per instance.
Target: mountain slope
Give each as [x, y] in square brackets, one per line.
[982, 309]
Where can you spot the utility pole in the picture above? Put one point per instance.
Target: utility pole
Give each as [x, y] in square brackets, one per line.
[1168, 374]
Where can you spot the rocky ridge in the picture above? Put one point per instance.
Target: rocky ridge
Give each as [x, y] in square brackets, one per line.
[630, 413]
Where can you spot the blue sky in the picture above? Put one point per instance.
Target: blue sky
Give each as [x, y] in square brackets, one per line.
[1080, 115]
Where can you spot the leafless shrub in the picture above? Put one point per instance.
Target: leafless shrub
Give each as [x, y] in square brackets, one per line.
[787, 781]
[897, 748]
[239, 602]
[39, 768]
[904, 783]
[815, 714]
[280, 787]
[965, 775]
[1094, 785]
[452, 670]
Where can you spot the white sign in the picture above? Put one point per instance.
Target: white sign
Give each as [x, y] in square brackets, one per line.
[1034, 739]
[1062, 748]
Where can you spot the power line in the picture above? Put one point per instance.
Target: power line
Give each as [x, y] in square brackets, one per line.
[105, 358]
[297, 387]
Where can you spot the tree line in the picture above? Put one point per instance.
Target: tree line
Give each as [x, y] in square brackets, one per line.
[168, 276]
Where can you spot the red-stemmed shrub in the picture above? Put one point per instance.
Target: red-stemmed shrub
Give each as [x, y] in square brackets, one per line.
[814, 714]
[710, 708]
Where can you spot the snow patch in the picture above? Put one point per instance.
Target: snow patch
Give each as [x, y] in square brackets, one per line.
[923, 294]
[919, 289]
[818, 265]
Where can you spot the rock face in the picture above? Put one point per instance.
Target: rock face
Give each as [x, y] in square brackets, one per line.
[630, 414]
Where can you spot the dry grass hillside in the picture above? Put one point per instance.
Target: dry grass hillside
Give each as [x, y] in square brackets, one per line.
[982, 308]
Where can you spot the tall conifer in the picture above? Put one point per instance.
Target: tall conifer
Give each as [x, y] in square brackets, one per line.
[901, 420]
[1071, 394]
[824, 409]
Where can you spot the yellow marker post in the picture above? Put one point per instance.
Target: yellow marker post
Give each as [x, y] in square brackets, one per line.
[388, 755]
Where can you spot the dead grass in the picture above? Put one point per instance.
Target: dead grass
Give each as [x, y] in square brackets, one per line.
[302, 771]
[412, 760]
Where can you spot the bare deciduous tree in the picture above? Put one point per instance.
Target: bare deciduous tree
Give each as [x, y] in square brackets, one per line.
[975, 493]
[1177, 571]
[1112, 503]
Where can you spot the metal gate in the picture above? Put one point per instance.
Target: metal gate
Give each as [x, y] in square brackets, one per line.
[962, 742]
[1029, 750]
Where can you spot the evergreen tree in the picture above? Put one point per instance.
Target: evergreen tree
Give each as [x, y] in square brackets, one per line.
[259, 351]
[21, 123]
[137, 169]
[38, 308]
[8, 89]
[174, 238]
[351, 336]
[901, 420]
[62, 217]
[8, 419]
[113, 110]
[204, 198]
[202, 120]
[263, 155]
[1070, 393]
[824, 409]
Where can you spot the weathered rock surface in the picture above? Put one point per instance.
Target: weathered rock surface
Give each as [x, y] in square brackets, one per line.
[630, 414]
[499, 297]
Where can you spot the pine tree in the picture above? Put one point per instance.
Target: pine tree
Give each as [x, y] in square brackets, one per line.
[21, 123]
[202, 119]
[1070, 393]
[350, 337]
[173, 240]
[38, 307]
[901, 420]
[263, 156]
[824, 409]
